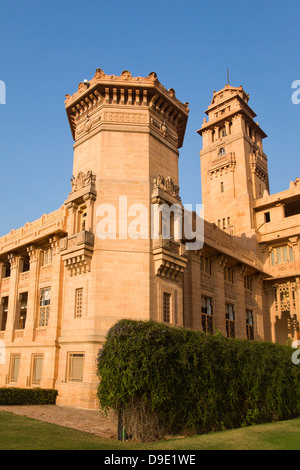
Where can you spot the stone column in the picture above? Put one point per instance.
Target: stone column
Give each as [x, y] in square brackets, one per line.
[268, 312]
[240, 305]
[90, 201]
[297, 295]
[2, 271]
[72, 219]
[195, 291]
[13, 295]
[219, 299]
[33, 293]
[257, 285]
[227, 127]
[54, 325]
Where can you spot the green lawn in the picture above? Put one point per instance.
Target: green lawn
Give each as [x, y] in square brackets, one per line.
[20, 433]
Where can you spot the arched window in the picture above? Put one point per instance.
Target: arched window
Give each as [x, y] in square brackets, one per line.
[222, 152]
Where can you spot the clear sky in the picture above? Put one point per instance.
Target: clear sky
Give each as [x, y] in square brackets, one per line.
[49, 46]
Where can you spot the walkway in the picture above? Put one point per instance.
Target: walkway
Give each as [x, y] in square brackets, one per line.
[91, 421]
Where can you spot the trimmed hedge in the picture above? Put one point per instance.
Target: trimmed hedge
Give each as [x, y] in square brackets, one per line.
[27, 396]
[195, 381]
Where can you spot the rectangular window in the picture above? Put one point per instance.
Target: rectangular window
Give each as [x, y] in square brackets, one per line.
[230, 320]
[78, 302]
[22, 314]
[248, 282]
[228, 274]
[45, 296]
[222, 187]
[282, 254]
[83, 220]
[207, 315]
[267, 217]
[249, 325]
[205, 264]
[47, 256]
[75, 367]
[14, 367]
[7, 270]
[25, 264]
[3, 316]
[37, 369]
[167, 307]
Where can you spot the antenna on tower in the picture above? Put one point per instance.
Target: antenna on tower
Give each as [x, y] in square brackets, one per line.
[228, 76]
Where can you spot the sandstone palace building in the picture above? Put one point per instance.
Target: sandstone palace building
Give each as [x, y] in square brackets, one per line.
[62, 286]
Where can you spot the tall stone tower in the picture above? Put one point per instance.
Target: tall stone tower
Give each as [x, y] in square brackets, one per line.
[234, 168]
[127, 132]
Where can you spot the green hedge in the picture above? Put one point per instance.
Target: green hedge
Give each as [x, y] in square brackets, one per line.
[196, 381]
[27, 396]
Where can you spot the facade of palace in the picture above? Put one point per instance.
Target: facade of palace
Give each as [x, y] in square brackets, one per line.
[62, 286]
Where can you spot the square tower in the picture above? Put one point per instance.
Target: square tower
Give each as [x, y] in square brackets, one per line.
[234, 169]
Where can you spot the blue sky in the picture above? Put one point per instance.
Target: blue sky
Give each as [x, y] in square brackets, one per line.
[48, 47]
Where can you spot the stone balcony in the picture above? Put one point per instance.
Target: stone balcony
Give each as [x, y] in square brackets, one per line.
[169, 258]
[283, 270]
[77, 252]
[288, 227]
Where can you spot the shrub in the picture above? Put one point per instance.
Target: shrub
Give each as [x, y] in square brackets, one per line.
[27, 396]
[175, 379]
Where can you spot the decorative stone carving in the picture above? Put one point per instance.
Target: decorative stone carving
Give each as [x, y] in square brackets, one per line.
[222, 165]
[136, 118]
[83, 180]
[259, 167]
[167, 185]
[55, 244]
[297, 183]
[126, 74]
[12, 260]
[99, 74]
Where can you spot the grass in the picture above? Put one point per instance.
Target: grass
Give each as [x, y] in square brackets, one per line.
[21, 433]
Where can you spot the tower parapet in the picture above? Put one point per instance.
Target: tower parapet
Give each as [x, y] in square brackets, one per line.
[102, 102]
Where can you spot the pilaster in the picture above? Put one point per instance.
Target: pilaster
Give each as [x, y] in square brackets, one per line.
[13, 293]
[33, 294]
[240, 306]
[219, 310]
[258, 314]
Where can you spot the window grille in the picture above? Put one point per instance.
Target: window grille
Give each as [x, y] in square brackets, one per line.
[78, 302]
[230, 320]
[45, 296]
[167, 307]
[207, 315]
[250, 325]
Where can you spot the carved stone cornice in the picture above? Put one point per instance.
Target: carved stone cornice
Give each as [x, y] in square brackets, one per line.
[32, 253]
[126, 100]
[222, 165]
[79, 264]
[13, 260]
[55, 244]
[259, 167]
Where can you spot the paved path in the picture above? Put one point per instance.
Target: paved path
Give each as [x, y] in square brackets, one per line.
[91, 421]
